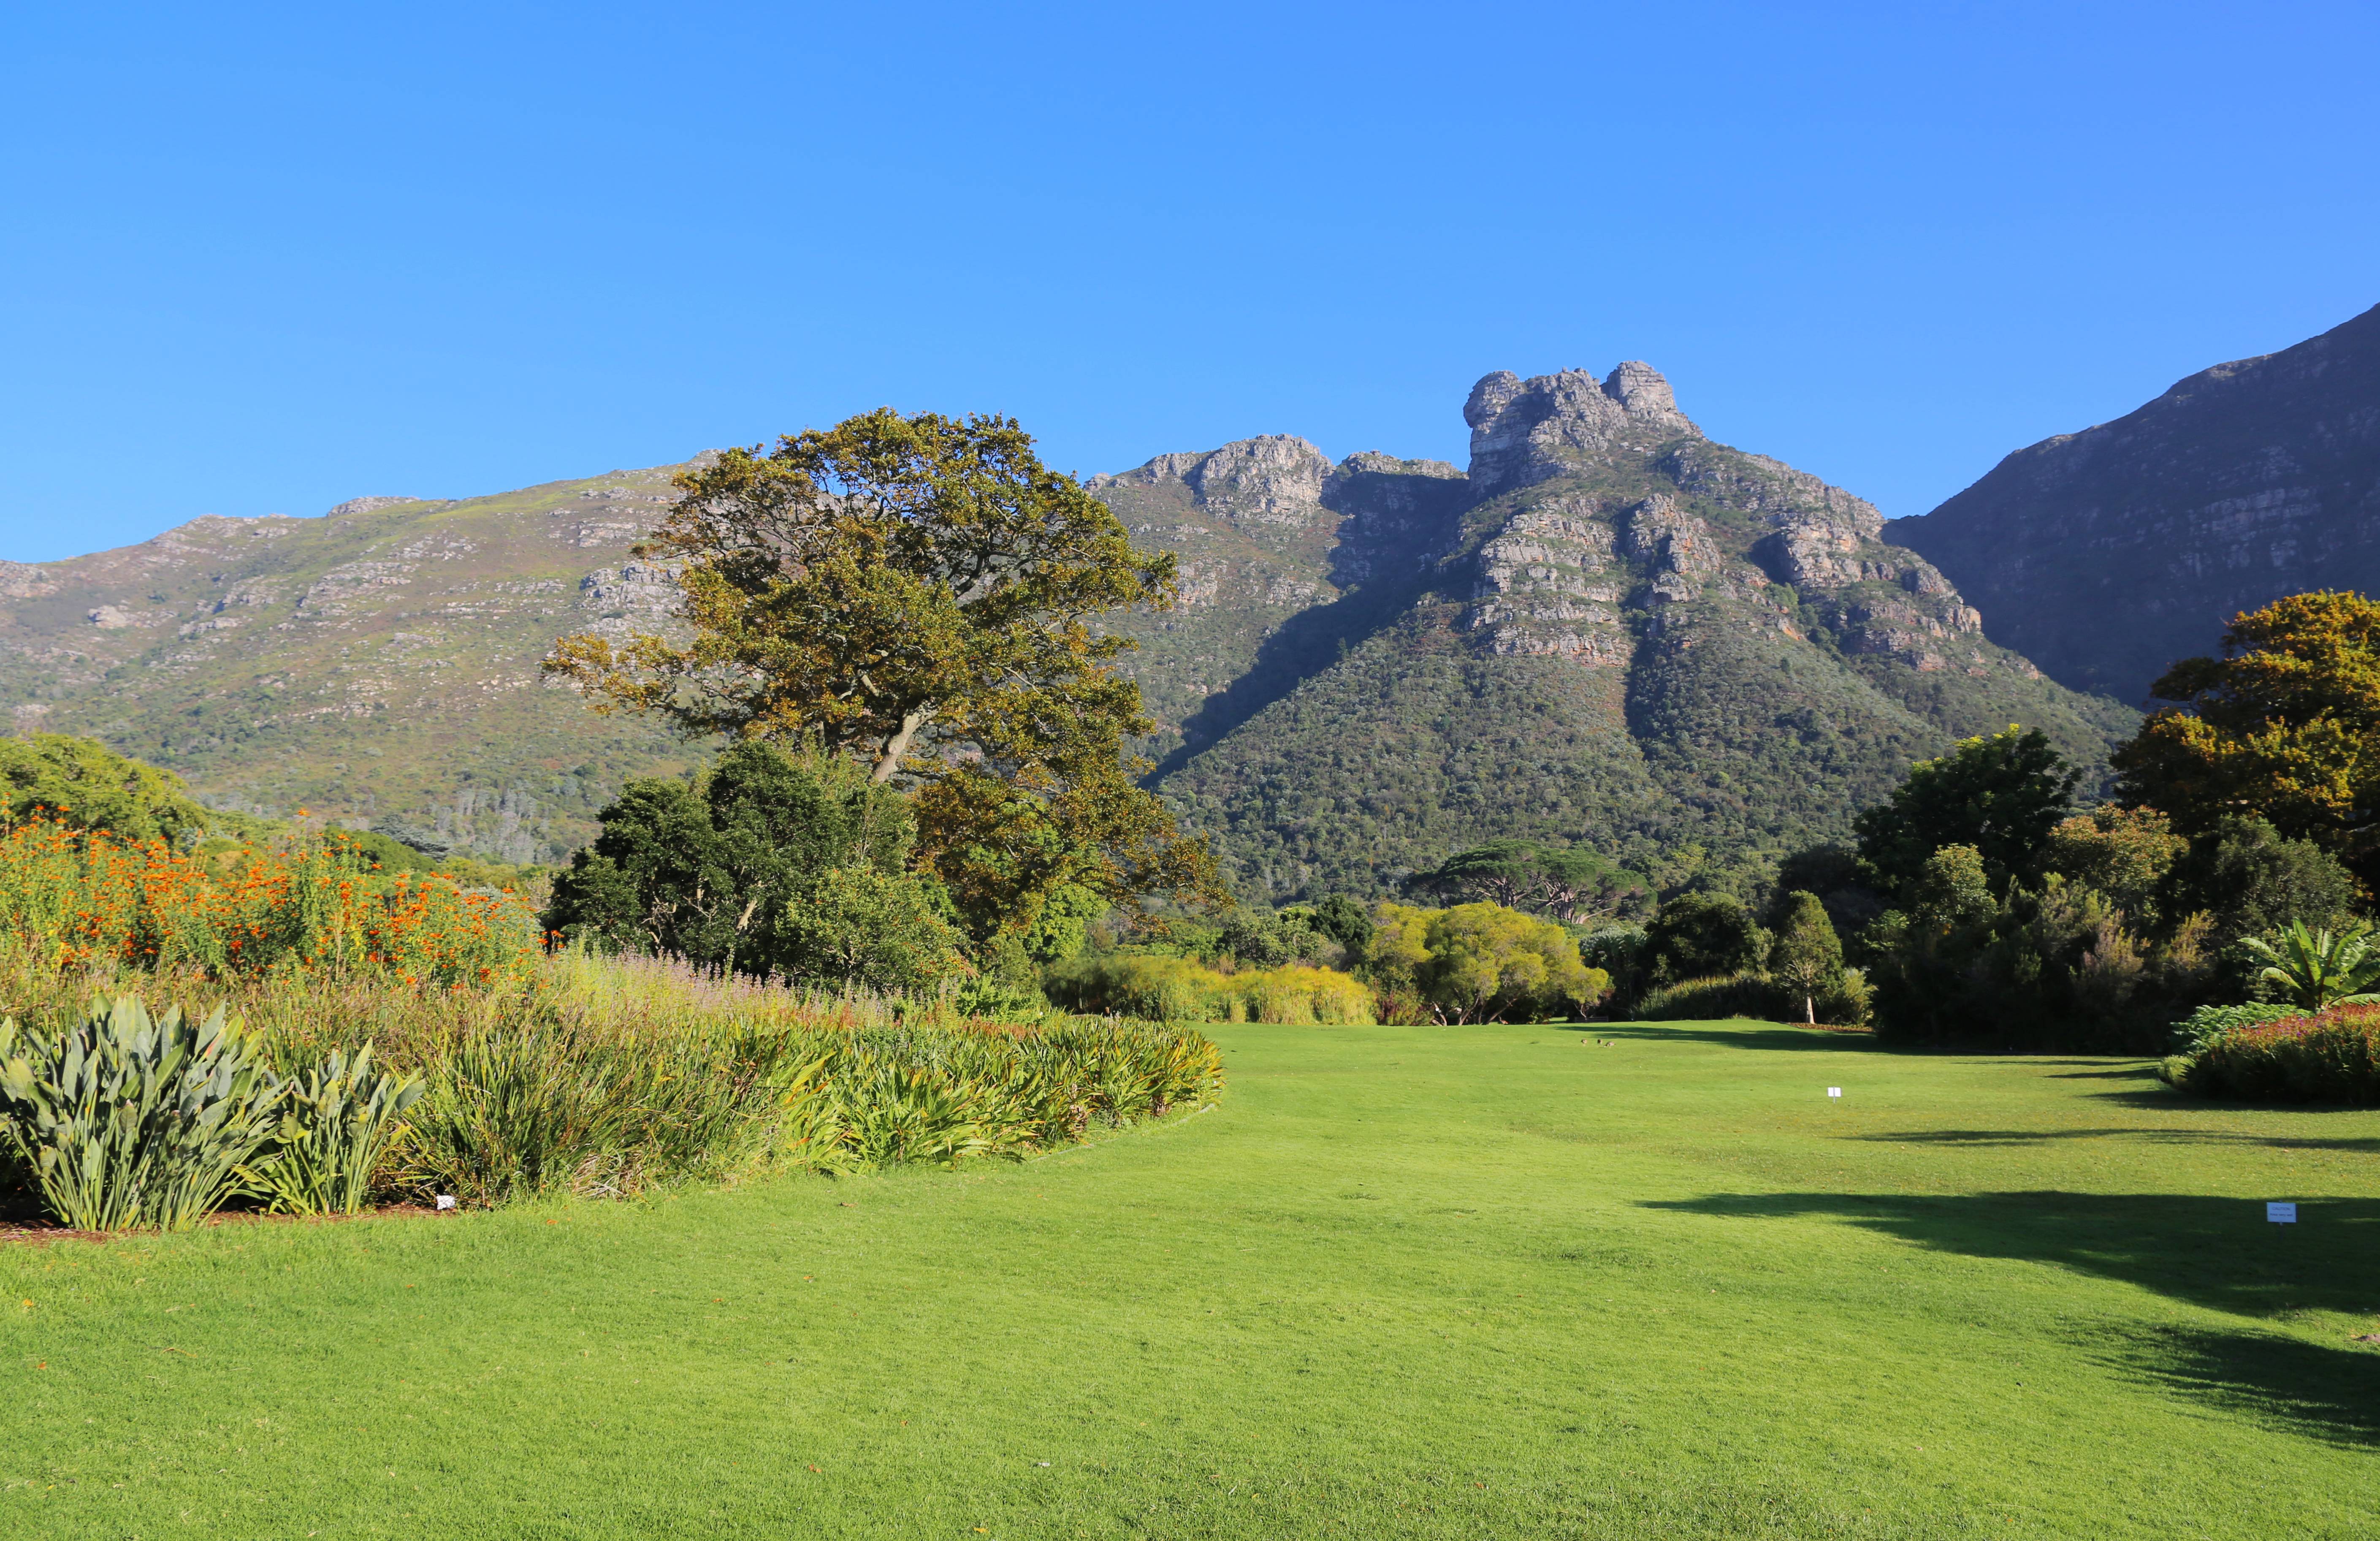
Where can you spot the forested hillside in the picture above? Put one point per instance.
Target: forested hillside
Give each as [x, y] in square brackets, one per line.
[1612, 632]
[378, 664]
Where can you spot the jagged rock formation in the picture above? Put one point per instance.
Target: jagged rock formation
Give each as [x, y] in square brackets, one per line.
[2107, 555]
[1609, 631]
[1268, 532]
[377, 665]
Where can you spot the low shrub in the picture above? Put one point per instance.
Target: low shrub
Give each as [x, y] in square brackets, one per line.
[2205, 1025]
[2331, 1057]
[1176, 989]
[79, 898]
[1478, 962]
[607, 1077]
[1843, 1001]
[127, 1120]
[1714, 997]
[337, 1120]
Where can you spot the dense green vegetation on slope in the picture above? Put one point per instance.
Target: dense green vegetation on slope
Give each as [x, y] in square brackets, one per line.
[1619, 636]
[1403, 1282]
[379, 665]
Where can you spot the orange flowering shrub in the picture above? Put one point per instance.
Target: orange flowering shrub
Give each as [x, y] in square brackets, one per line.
[81, 897]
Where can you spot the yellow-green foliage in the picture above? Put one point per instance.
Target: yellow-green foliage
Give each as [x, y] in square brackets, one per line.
[603, 1076]
[83, 784]
[1176, 989]
[1483, 962]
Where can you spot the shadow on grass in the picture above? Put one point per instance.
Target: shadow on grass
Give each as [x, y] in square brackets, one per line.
[2217, 1253]
[2149, 1137]
[1762, 1034]
[2331, 1394]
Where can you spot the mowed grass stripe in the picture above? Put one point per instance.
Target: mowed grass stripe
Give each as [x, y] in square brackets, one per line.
[1488, 1281]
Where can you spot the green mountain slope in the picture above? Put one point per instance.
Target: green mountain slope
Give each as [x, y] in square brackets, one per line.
[1612, 632]
[1609, 631]
[377, 665]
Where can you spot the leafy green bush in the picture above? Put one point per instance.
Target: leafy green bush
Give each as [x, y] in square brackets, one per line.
[1697, 936]
[128, 1121]
[777, 864]
[2331, 1057]
[2203, 1025]
[2319, 967]
[1479, 962]
[1713, 998]
[336, 1119]
[1844, 1001]
[83, 784]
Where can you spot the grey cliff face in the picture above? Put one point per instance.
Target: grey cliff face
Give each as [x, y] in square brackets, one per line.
[1524, 431]
[1275, 481]
[2107, 554]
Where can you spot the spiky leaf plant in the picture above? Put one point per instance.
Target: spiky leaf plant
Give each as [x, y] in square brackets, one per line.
[336, 1121]
[128, 1121]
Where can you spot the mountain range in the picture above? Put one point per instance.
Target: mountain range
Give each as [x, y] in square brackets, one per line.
[1606, 629]
[2104, 556]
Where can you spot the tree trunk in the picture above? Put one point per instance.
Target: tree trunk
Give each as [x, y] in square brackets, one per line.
[898, 745]
[1810, 1009]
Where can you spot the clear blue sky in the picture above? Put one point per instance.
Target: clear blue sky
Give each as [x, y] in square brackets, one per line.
[261, 259]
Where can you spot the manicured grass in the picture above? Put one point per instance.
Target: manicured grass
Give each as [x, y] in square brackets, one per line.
[1488, 1281]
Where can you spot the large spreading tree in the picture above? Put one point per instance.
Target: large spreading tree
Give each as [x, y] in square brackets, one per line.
[2284, 727]
[920, 593]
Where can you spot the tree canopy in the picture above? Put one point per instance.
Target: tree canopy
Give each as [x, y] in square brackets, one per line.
[772, 865]
[1566, 882]
[2001, 794]
[2284, 727]
[920, 592]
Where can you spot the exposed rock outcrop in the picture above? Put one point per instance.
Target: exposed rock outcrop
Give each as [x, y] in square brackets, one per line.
[1524, 431]
[2105, 555]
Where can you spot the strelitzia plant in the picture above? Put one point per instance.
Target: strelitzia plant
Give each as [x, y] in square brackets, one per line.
[127, 1121]
[336, 1121]
[2317, 968]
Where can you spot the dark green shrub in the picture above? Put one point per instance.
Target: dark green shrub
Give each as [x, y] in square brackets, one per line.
[1715, 998]
[1700, 936]
[776, 864]
[2251, 880]
[2000, 794]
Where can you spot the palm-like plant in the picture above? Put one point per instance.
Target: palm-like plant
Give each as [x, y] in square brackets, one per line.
[2317, 968]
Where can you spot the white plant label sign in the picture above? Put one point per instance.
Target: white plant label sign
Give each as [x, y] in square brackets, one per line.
[2281, 1214]
[1834, 1091]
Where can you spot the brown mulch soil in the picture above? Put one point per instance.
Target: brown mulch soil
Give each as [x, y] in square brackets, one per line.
[42, 1235]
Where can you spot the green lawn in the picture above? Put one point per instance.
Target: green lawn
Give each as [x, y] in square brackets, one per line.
[1488, 1281]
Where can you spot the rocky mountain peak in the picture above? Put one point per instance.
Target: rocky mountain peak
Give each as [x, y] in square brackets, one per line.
[1275, 478]
[1524, 431]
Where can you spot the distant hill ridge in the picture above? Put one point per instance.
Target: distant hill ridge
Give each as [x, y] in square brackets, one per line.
[1607, 630]
[378, 663]
[2107, 555]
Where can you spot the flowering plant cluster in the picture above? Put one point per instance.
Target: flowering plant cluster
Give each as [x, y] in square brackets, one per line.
[76, 898]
